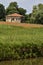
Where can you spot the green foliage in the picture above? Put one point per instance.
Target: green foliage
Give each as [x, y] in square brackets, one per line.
[13, 8]
[20, 43]
[13, 4]
[22, 11]
[2, 12]
[28, 18]
[36, 15]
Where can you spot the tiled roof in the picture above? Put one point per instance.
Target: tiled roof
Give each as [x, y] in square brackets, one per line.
[16, 15]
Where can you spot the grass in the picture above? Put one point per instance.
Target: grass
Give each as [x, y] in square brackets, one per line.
[15, 42]
[15, 34]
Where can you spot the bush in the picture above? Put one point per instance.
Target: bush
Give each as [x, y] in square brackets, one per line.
[8, 52]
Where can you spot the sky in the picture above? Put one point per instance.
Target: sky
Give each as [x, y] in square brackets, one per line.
[26, 4]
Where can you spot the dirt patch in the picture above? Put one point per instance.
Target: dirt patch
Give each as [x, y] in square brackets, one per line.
[22, 24]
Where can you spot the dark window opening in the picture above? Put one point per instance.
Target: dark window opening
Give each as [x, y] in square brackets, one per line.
[12, 18]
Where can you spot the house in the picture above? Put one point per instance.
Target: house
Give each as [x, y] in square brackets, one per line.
[14, 18]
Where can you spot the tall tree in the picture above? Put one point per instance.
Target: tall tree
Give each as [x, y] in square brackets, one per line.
[2, 12]
[12, 8]
[22, 11]
[37, 14]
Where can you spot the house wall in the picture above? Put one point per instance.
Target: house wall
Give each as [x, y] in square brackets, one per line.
[17, 19]
[8, 19]
[13, 19]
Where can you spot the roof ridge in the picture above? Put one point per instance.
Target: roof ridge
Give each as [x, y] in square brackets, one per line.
[15, 14]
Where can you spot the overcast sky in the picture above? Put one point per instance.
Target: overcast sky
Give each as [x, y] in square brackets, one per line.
[27, 4]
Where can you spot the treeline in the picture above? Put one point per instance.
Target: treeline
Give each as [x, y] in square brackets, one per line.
[20, 51]
[35, 17]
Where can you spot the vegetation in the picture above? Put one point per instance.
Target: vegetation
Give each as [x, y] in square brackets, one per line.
[37, 15]
[2, 12]
[19, 43]
[13, 8]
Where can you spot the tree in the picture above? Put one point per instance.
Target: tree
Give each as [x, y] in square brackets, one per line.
[2, 12]
[39, 18]
[13, 4]
[37, 14]
[12, 8]
[22, 11]
[28, 18]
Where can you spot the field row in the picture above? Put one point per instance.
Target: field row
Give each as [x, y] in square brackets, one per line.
[17, 42]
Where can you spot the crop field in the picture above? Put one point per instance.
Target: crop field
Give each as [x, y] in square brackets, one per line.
[17, 34]
[18, 42]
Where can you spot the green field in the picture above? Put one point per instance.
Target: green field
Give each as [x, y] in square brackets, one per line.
[18, 42]
[14, 34]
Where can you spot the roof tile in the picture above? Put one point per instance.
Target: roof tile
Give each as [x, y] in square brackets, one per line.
[15, 14]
